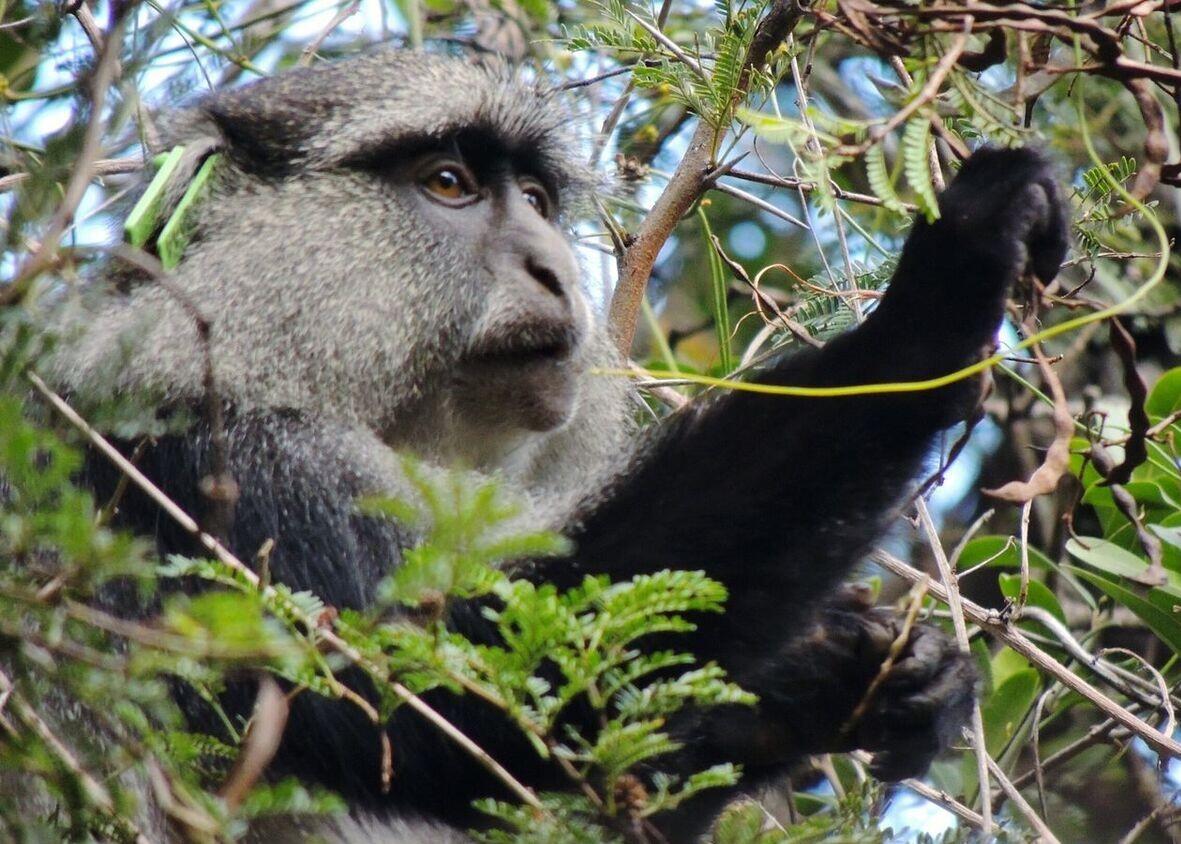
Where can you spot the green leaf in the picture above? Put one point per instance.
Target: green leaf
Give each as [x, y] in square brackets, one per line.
[1152, 493]
[775, 129]
[1006, 708]
[1004, 664]
[880, 181]
[917, 165]
[719, 287]
[1000, 552]
[1165, 397]
[1039, 595]
[290, 797]
[230, 618]
[1162, 622]
[1114, 560]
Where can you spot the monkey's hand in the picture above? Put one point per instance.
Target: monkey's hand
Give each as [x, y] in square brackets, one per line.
[919, 698]
[857, 678]
[1002, 216]
[1013, 195]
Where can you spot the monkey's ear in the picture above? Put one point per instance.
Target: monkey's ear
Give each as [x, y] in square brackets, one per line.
[264, 135]
[260, 133]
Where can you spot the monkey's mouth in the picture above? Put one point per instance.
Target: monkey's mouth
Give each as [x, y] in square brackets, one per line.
[522, 380]
[528, 347]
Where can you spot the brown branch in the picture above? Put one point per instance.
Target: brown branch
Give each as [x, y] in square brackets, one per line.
[1107, 732]
[957, 604]
[1156, 140]
[1126, 503]
[992, 623]
[1136, 445]
[1106, 40]
[688, 182]
[1044, 834]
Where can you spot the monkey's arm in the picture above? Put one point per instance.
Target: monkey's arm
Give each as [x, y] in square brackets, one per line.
[777, 497]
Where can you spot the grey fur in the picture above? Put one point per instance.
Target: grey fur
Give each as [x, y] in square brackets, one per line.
[327, 295]
[323, 293]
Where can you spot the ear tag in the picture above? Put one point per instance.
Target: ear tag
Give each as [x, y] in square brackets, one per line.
[173, 239]
[144, 218]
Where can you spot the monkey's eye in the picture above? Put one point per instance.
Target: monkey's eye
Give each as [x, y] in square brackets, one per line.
[538, 197]
[450, 183]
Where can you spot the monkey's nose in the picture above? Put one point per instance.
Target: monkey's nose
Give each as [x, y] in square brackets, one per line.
[545, 276]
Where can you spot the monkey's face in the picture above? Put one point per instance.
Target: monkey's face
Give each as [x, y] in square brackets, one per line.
[395, 260]
[519, 365]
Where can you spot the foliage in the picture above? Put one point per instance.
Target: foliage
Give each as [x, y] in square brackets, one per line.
[558, 650]
[822, 149]
[56, 557]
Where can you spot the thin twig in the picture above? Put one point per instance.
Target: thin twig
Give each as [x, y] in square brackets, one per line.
[104, 75]
[925, 95]
[955, 604]
[992, 622]
[809, 186]
[684, 187]
[309, 52]
[1035, 820]
[761, 204]
[671, 46]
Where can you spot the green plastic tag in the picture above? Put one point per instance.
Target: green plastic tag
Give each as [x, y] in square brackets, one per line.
[144, 218]
[171, 243]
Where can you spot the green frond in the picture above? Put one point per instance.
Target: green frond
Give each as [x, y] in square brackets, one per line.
[880, 181]
[916, 165]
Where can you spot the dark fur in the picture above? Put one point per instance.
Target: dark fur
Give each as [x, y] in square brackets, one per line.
[775, 497]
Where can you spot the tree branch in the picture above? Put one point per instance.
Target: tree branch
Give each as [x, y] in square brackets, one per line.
[688, 182]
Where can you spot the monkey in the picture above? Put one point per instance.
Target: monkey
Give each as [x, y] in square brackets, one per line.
[384, 264]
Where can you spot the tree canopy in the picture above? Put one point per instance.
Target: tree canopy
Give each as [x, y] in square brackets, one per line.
[759, 165]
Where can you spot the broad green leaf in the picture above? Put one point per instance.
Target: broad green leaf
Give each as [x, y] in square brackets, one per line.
[1106, 556]
[1150, 492]
[1001, 552]
[1039, 594]
[1163, 623]
[1169, 533]
[1114, 560]
[1004, 664]
[1006, 708]
[1165, 396]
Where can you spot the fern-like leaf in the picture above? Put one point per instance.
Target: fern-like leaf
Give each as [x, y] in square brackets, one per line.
[880, 182]
[916, 165]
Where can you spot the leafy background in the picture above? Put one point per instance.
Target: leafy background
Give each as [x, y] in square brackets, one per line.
[760, 164]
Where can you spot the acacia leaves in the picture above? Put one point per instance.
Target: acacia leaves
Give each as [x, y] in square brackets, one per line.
[554, 649]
